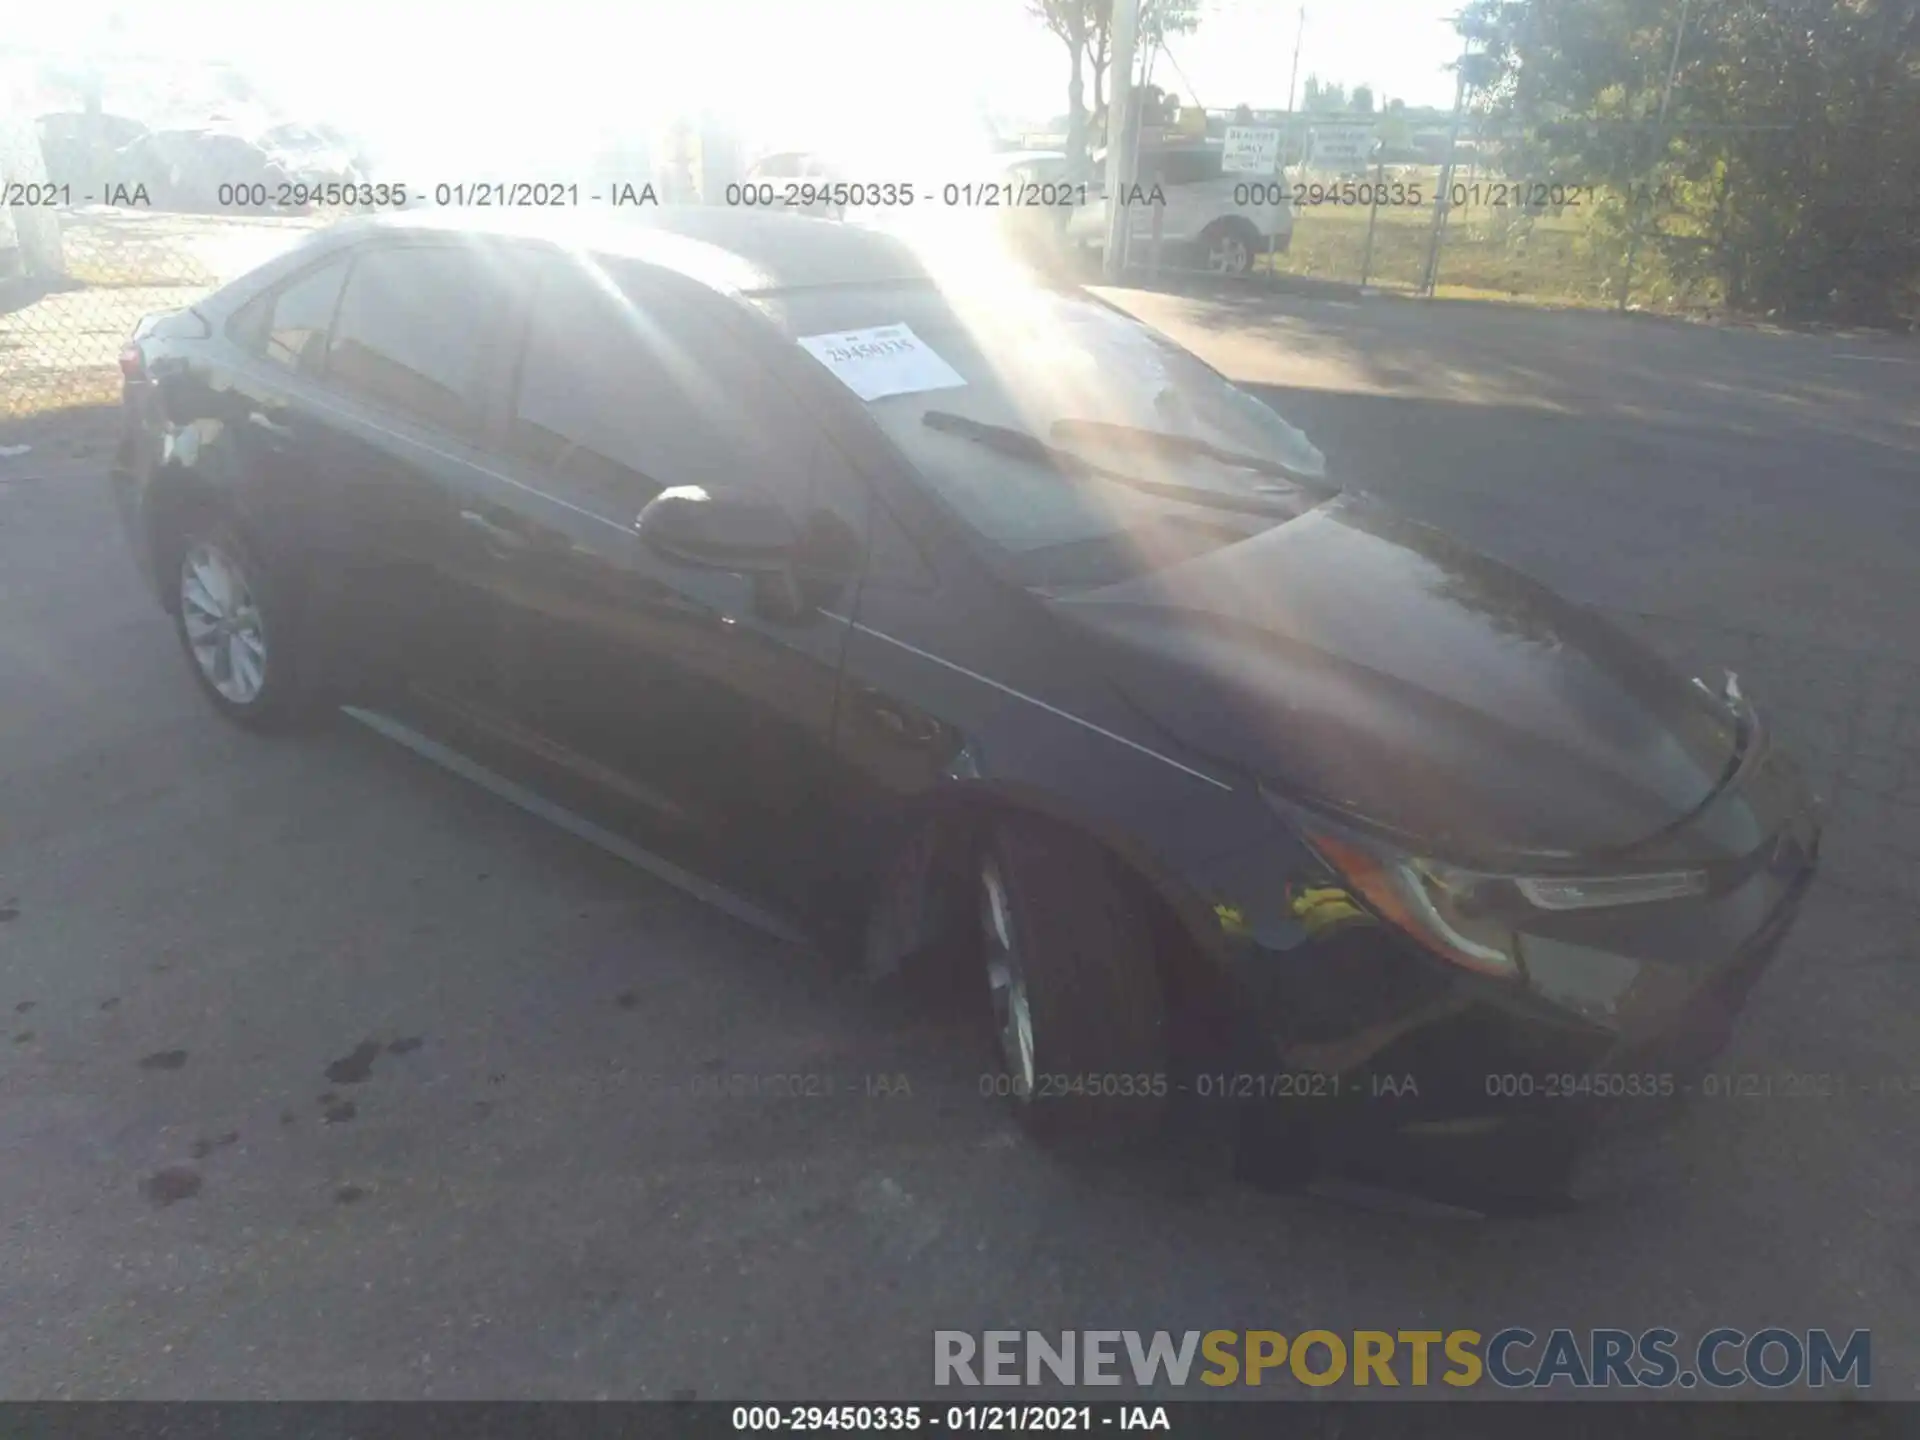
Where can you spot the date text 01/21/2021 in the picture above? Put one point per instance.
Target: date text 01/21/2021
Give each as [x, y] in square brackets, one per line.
[850, 194]
[1364, 193]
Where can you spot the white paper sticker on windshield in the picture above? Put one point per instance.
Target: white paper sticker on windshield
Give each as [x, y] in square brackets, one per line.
[883, 360]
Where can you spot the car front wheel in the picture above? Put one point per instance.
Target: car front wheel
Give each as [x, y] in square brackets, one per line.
[1075, 990]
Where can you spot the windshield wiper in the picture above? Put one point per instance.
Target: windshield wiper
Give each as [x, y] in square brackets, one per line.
[1140, 438]
[1019, 444]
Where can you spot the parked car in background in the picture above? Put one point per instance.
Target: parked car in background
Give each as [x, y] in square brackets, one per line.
[1203, 213]
[198, 171]
[799, 180]
[315, 154]
[80, 148]
[1026, 196]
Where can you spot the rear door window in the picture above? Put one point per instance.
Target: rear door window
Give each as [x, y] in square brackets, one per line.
[288, 324]
[408, 335]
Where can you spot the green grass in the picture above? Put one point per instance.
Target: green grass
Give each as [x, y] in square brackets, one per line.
[1487, 251]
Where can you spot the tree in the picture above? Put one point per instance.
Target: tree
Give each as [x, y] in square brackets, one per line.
[1362, 99]
[1395, 132]
[1158, 20]
[1321, 97]
[1804, 199]
[1068, 20]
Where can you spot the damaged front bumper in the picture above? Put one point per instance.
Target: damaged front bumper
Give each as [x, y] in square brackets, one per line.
[1373, 1059]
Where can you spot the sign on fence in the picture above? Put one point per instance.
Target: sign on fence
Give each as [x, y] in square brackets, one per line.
[1342, 147]
[1251, 150]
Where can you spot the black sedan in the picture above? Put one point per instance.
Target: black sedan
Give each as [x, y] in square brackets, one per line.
[976, 624]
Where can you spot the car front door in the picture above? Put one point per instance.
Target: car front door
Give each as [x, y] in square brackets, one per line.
[673, 694]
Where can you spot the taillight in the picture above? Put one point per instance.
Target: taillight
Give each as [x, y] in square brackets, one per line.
[133, 365]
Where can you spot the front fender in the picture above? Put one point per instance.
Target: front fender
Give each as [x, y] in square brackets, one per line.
[1222, 884]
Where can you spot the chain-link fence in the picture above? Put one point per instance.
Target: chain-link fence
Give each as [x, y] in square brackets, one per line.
[1485, 211]
[84, 254]
[97, 230]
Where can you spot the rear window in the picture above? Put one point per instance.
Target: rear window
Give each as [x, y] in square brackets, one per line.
[1182, 167]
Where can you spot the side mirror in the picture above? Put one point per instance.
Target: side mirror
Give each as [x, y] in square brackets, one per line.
[721, 530]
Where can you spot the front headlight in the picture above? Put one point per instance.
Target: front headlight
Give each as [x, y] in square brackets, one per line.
[1441, 906]
[1473, 918]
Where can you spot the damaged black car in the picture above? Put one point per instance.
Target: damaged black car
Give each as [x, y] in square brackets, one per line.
[968, 621]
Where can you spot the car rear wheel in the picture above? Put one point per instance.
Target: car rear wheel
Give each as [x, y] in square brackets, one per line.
[238, 634]
[1075, 990]
[1229, 247]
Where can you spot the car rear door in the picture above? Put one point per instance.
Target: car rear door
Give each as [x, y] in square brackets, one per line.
[394, 430]
[665, 693]
[1195, 193]
[279, 425]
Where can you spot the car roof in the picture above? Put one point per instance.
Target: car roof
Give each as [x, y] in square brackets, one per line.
[741, 252]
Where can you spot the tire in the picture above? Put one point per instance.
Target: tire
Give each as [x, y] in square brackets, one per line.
[1060, 927]
[1228, 247]
[237, 626]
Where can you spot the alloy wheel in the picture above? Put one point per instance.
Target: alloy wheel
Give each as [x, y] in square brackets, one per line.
[1006, 979]
[225, 630]
[1228, 255]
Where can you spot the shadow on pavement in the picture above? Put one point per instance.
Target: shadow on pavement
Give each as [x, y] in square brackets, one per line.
[73, 432]
[24, 290]
[1246, 295]
[1585, 364]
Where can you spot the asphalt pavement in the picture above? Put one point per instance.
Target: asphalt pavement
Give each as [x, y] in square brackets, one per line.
[330, 1075]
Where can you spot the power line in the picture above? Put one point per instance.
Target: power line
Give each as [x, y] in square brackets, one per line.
[1186, 85]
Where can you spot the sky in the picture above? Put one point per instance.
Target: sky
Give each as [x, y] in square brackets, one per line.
[519, 81]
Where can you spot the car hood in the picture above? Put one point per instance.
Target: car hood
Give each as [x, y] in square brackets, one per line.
[1354, 659]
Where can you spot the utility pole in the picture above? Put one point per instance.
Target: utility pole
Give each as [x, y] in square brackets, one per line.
[1293, 77]
[1120, 133]
[1445, 188]
[1660, 142]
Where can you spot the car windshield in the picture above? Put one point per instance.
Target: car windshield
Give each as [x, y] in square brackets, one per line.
[1077, 377]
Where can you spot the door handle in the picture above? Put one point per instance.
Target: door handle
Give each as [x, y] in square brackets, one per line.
[276, 433]
[500, 539]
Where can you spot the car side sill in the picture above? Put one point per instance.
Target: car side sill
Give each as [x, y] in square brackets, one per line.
[522, 798]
